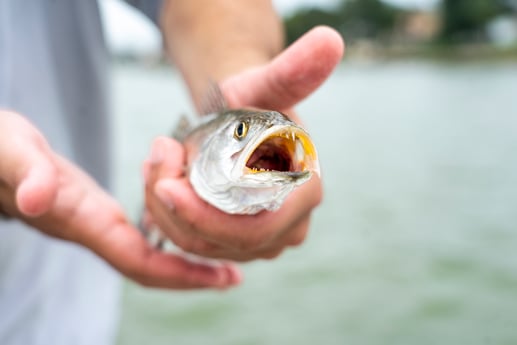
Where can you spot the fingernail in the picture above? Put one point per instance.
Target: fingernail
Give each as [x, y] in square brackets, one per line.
[164, 196]
[157, 153]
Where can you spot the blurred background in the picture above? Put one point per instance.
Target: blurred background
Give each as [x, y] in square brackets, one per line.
[415, 242]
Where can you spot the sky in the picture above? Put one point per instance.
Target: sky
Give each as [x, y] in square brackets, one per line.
[127, 31]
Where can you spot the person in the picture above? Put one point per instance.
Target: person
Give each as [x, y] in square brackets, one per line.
[63, 237]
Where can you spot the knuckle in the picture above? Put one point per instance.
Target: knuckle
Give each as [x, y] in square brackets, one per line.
[182, 243]
[318, 196]
[192, 245]
[144, 282]
[250, 244]
[137, 275]
[298, 239]
[272, 254]
[202, 247]
[39, 140]
[190, 221]
[237, 257]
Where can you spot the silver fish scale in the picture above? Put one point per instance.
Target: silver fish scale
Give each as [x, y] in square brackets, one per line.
[217, 158]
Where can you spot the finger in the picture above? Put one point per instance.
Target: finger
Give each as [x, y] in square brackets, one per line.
[177, 231]
[27, 166]
[242, 232]
[110, 236]
[291, 76]
[297, 237]
[167, 158]
[292, 237]
[129, 253]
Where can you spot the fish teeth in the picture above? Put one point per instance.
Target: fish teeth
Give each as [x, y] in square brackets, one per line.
[299, 151]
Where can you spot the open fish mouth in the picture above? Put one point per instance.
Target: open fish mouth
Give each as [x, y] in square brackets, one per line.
[282, 150]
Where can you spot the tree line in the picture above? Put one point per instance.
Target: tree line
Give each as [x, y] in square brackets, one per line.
[462, 21]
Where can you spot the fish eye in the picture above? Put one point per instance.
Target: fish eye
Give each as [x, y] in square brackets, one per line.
[241, 130]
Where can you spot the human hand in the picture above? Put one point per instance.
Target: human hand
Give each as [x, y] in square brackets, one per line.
[202, 229]
[51, 194]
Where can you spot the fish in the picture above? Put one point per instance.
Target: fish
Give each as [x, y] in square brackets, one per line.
[244, 161]
[241, 161]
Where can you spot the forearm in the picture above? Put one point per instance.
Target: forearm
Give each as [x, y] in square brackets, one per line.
[211, 40]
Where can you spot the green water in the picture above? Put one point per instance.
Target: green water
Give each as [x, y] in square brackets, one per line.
[416, 241]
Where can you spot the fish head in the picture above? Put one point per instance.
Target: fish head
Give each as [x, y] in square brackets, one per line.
[276, 151]
[255, 159]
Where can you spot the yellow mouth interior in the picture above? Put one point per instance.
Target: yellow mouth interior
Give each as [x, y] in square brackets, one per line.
[285, 151]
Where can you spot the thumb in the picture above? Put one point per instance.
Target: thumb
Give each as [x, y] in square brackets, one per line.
[26, 165]
[291, 76]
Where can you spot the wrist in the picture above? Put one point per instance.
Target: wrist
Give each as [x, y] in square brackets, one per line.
[210, 41]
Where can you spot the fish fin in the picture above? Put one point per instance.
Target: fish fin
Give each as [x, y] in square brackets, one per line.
[213, 100]
[183, 127]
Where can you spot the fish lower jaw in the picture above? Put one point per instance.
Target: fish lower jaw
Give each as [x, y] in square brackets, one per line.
[249, 200]
[260, 178]
[247, 194]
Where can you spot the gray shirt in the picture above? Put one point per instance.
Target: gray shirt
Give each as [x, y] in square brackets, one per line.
[53, 70]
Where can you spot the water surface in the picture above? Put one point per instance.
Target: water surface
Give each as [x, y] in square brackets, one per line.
[415, 242]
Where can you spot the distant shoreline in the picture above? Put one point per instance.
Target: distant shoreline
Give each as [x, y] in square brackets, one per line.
[367, 51]
[455, 53]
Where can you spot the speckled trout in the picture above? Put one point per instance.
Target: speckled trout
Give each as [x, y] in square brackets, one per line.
[243, 161]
